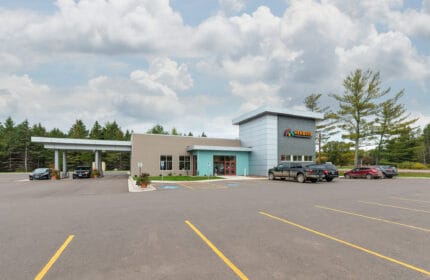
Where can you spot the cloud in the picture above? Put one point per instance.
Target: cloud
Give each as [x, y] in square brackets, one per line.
[255, 95]
[232, 6]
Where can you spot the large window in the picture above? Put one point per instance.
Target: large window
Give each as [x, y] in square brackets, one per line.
[165, 162]
[184, 163]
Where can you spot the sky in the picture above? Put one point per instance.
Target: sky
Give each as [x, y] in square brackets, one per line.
[195, 65]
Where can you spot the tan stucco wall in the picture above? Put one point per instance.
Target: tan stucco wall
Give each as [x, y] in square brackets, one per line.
[147, 148]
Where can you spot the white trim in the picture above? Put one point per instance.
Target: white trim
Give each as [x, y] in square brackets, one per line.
[217, 148]
[277, 111]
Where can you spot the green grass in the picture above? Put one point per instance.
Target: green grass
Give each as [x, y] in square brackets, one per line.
[184, 178]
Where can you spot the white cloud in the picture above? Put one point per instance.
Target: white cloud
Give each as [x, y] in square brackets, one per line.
[255, 95]
[232, 6]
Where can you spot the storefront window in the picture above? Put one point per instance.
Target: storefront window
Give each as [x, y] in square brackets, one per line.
[184, 162]
[165, 162]
[285, 157]
[297, 158]
[308, 158]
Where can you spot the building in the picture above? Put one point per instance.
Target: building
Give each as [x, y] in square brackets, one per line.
[266, 137]
[198, 156]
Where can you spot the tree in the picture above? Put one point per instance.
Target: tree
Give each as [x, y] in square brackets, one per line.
[358, 105]
[96, 131]
[157, 129]
[426, 136]
[203, 134]
[402, 148]
[112, 131]
[190, 134]
[391, 119]
[174, 132]
[78, 130]
[325, 127]
[338, 153]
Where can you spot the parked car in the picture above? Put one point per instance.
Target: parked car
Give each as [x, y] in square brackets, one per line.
[295, 171]
[329, 170]
[40, 173]
[388, 171]
[82, 172]
[363, 172]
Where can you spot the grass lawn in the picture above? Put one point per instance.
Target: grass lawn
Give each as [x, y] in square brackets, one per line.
[184, 178]
[414, 174]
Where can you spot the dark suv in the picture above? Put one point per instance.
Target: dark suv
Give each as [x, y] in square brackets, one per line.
[82, 172]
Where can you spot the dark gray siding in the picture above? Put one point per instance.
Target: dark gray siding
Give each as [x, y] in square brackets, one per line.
[293, 145]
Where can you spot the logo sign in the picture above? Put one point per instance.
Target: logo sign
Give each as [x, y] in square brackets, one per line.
[297, 133]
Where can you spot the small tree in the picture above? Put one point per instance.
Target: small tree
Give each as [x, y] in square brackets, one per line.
[325, 127]
[357, 106]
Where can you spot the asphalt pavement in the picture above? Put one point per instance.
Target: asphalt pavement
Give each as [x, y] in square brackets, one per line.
[253, 229]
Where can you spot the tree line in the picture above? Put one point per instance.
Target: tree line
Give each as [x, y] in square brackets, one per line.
[374, 125]
[18, 153]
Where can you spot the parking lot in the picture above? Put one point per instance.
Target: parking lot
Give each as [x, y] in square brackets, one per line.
[253, 229]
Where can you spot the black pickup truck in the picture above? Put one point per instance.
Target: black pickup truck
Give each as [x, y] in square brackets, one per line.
[296, 171]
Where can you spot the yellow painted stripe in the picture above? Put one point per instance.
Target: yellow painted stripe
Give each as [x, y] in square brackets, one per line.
[373, 218]
[408, 199]
[423, 271]
[394, 206]
[218, 252]
[54, 258]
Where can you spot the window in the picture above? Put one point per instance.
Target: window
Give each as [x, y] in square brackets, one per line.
[285, 157]
[165, 162]
[308, 158]
[297, 158]
[184, 162]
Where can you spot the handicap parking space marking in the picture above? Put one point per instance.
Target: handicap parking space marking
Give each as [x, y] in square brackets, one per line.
[169, 187]
[234, 184]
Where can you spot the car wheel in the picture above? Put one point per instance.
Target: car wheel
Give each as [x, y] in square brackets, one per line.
[300, 178]
[368, 176]
[314, 180]
[347, 176]
[271, 177]
[329, 179]
[389, 177]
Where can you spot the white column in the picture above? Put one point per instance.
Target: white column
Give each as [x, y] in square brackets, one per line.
[64, 164]
[96, 160]
[56, 160]
[100, 166]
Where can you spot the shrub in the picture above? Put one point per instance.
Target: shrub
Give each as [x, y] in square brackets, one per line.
[143, 180]
[418, 165]
[95, 173]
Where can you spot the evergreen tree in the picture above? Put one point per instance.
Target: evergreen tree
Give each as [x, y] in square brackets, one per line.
[157, 129]
[391, 119]
[96, 131]
[112, 131]
[325, 127]
[357, 106]
[78, 130]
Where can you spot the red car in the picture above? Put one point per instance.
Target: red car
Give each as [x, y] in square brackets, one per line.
[363, 172]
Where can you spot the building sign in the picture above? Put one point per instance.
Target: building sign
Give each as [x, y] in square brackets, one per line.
[297, 133]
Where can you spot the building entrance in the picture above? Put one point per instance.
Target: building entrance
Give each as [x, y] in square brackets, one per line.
[224, 165]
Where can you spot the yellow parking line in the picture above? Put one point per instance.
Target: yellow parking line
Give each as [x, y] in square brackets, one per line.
[218, 252]
[408, 199]
[394, 206]
[373, 218]
[423, 271]
[54, 258]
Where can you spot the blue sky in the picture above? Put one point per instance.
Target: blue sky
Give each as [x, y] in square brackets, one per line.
[195, 65]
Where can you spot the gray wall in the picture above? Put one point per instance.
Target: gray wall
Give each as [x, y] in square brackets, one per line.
[295, 145]
[260, 134]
